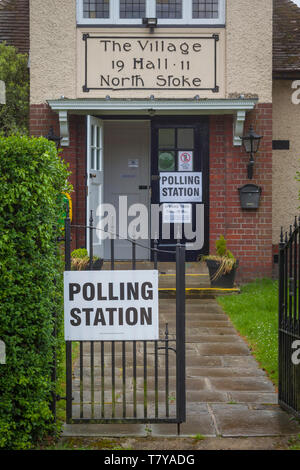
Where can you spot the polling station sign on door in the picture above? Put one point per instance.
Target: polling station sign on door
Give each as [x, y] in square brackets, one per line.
[181, 187]
[111, 305]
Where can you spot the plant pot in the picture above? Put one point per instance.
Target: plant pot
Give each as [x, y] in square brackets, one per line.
[225, 281]
[97, 265]
[79, 264]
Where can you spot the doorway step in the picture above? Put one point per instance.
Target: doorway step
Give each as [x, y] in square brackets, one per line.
[197, 279]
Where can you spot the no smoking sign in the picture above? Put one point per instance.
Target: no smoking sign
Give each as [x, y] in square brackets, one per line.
[185, 161]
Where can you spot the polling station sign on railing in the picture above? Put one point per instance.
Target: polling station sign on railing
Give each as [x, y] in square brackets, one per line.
[111, 305]
[118, 380]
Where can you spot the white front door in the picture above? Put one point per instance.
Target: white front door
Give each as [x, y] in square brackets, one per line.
[95, 180]
[127, 182]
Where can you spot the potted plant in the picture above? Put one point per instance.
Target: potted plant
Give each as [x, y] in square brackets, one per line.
[80, 261]
[222, 266]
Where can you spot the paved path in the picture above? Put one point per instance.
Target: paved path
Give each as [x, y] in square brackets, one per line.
[227, 393]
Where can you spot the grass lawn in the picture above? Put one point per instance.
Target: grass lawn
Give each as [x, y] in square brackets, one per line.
[254, 314]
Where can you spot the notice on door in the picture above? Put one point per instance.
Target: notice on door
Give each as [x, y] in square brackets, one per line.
[111, 305]
[181, 187]
[177, 213]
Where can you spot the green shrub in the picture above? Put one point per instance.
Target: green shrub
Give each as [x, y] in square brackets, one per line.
[221, 248]
[80, 253]
[31, 178]
[15, 73]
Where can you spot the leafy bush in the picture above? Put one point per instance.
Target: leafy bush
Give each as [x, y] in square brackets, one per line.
[80, 253]
[31, 178]
[221, 248]
[14, 72]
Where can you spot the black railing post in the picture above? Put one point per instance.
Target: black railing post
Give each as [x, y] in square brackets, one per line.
[68, 343]
[112, 245]
[91, 230]
[291, 280]
[133, 256]
[180, 335]
[67, 244]
[155, 253]
[281, 309]
[54, 334]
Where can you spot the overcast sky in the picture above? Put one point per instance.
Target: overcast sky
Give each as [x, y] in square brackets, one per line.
[297, 2]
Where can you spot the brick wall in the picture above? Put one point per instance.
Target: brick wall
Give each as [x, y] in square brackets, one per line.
[41, 118]
[249, 233]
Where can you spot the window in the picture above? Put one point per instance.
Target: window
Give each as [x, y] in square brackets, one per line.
[96, 9]
[132, 8]
[205, 8]
[169, 9]
[167, 12]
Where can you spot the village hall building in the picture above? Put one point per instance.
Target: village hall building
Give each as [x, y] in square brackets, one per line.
[152, 100]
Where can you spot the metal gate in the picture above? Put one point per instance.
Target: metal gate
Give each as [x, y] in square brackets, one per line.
[289, 321]
[129, 381]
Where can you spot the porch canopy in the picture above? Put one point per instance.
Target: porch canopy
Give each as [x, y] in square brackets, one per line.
[151, 107]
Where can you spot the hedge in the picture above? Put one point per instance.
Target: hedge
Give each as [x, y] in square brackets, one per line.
[32, 177]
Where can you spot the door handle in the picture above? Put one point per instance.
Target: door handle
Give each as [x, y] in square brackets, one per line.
[142, 188]
[93, 175]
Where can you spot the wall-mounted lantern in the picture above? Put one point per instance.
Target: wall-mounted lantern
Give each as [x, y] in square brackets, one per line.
[150, 23]
[54, 138]
[251, 143]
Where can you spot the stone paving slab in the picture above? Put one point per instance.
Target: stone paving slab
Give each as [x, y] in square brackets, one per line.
[254, 397]
[224, 372]
[196, 318]
[260, 384]
[221, 330]
[209, 324]
[207, 396]
[231, 349]
[238, 420]
[203, 339]
[96, 430]
[240, 361]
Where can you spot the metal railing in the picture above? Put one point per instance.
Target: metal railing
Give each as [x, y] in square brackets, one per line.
[129, 381]
[289, 320]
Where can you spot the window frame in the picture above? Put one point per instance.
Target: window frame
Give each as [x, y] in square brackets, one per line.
[187, 16]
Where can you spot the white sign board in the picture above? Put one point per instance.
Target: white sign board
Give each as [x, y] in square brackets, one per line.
[143, 63]
[177, 213]
[111, 305]
[185, 160]
[181, 187]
